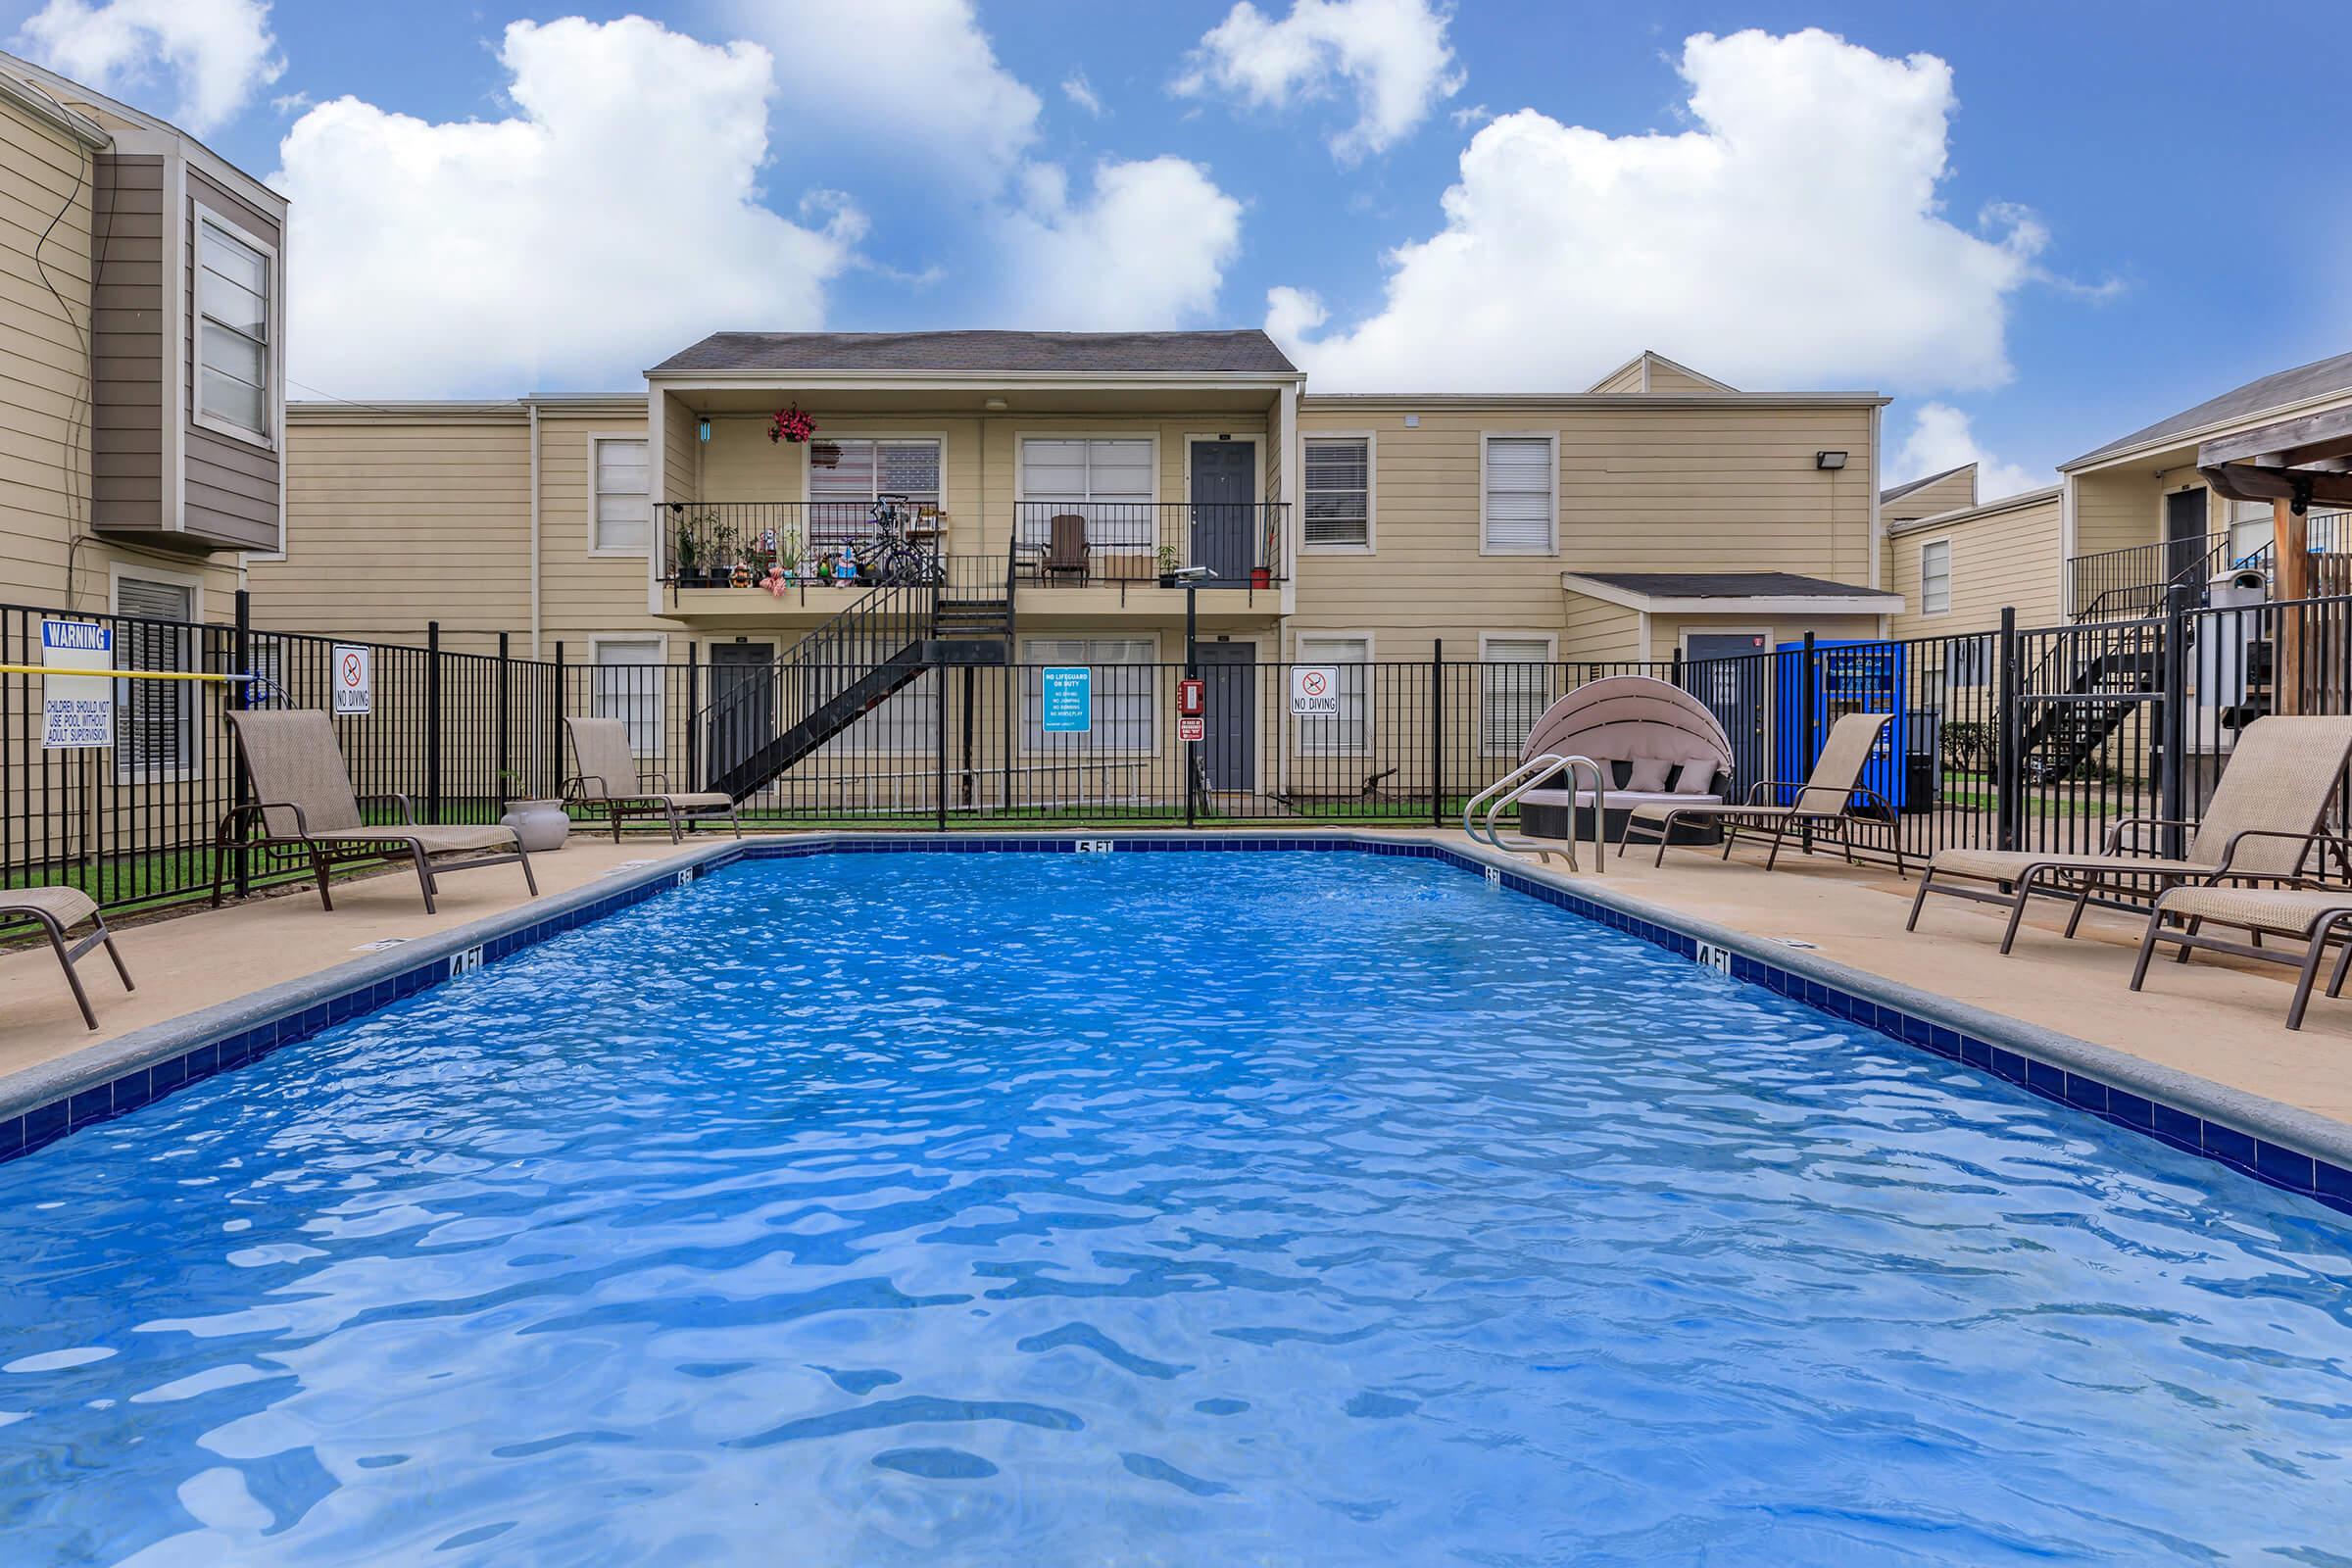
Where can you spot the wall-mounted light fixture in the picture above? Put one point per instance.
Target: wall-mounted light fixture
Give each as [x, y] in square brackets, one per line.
[994, 405]
[702, 427]
[1829, 460]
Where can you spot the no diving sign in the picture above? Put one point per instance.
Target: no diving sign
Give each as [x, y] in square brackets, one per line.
[1314, 691]
[354, 678]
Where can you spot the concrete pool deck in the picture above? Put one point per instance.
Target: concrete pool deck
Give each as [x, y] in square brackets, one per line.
[2221, 1020]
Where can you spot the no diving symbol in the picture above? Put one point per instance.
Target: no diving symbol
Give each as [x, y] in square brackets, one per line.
[1312, 683]
[350, 670]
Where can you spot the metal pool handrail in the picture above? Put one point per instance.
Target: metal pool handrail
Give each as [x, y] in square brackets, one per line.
[1524, 778]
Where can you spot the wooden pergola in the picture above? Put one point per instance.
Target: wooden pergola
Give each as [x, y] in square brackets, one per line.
[2291, 464]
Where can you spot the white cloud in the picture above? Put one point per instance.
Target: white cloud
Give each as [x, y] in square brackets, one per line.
[918, 78]
[1393, 52]
[1940, 439]
[574, 243]
[1793, 238]
[219, 52]
[1146, 249]
[1078, 90]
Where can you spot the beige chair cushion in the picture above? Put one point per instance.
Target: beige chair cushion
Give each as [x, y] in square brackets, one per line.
[708, 800]
[436, 840]
[2293, 910]
[65, 906]
[2007, 865]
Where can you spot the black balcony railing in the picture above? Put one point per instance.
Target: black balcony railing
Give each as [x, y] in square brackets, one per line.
[1243, 542]
[2136, 581]
[703, 542]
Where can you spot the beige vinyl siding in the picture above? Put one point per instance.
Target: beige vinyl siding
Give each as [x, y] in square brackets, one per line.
[585, 594]
[395, 524]
[2000, 554]
[1597, 631]
[2117, 509]
[1952, 493]
[1625, 379]
[1666, 632]
[1642, 488]
[1665, 377]
[231, 489]
[45, 364]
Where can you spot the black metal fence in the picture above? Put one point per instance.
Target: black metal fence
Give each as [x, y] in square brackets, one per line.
[2040, 738]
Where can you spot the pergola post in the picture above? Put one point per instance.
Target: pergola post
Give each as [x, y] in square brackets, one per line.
[2290, 555]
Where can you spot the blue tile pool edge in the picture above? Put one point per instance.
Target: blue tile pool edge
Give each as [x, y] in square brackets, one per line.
[2279, 1145]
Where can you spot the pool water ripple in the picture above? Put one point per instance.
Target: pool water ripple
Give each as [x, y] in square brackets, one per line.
[1278, 1209]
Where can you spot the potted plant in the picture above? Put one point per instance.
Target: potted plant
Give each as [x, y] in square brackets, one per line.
[788, 554]
[686, 555]
[1168, 566]
[541, 824]
[721, 560]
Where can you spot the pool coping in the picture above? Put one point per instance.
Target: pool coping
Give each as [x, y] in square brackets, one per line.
[2283, 1146]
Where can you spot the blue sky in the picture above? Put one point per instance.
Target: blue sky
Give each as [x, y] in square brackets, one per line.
[2092, 257]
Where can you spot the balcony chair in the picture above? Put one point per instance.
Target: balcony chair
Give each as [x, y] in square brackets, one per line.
[1066, 549]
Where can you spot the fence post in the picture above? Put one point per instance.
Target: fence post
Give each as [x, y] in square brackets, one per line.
[432, 721]
[1436, 732]
[506, 778]
[693, 720]
[240, 699]
[2172, 771]
[555, 721]
[1810, 707]
[1191, 671]
[939, 740]
[2008, 774]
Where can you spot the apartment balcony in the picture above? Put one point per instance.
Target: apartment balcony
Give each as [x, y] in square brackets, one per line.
[2141, 580]
[734, 559]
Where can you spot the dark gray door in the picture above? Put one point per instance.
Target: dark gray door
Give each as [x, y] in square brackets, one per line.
[2184, 525]
[1730, 672]
[742, 712]
[1229, 674]
[1225, 510]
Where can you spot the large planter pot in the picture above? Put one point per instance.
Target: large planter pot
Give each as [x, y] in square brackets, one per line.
[540, 824]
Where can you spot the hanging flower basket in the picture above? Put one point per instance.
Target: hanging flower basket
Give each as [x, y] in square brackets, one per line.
[791, 424]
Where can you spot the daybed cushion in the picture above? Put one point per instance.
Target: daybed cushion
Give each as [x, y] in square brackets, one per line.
[1695, 779]
[1646, 775]
[1616, 800]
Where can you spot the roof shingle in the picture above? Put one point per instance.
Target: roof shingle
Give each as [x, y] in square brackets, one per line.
[1730, 585]
[1248, 352]
[2317, 380]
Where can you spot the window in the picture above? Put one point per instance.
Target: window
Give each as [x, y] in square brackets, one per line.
[1348, 733]
[629, 674]
[623, 516]
[2250, 531]
[1935, 577]
[859, 470]
[1123, 692]
[155, 720]
[232, 330]
[1517, 513]
[1515, 681]
[1967, 662]
[1339, 490]
[1106, 481]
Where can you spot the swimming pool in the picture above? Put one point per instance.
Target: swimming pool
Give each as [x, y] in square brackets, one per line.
[1154, 1209]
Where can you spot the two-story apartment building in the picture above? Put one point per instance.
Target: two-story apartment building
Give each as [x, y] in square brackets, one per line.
[1058, 480]
[142, 309]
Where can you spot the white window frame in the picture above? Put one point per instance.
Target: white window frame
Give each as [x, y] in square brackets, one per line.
[1020, 479]
[1302, 654]
[1942, 541]
[652, 454]
[596, 660]
[273, 395]
[1552, 439]
[193, 770]
[938, 437]
[1371, 544]
[1487, 745]
[1981, 645]
[1037, 742]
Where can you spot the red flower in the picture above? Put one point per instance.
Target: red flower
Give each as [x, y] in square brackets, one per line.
[791, 424]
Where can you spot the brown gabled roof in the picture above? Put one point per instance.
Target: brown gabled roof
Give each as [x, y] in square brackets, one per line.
[2282, 389]
[1248, 352]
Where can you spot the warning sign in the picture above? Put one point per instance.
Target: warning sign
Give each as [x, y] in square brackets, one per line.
[78, 711]
[1314, 691]
[354, 679]
[1191, 729]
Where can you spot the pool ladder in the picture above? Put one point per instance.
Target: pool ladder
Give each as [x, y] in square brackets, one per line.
[1503, 794]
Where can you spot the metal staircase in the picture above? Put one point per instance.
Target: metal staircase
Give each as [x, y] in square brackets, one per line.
[852, 663]
[2069, 725]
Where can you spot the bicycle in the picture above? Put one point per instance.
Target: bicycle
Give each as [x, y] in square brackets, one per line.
[890, 555]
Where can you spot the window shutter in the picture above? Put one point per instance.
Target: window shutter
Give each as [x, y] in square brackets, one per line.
[1518, 499]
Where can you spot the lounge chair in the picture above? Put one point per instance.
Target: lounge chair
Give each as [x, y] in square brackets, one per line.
[58, 910]
[2309, 916]
[306, 803]
[1821, 802]
[2260, 827]
[607, 776]
[1067, 553]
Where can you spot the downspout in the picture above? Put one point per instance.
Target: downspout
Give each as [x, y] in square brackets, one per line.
[533, 405]
[1876, 421]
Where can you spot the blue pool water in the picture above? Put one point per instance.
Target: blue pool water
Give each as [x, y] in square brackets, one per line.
[1183, 1208]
